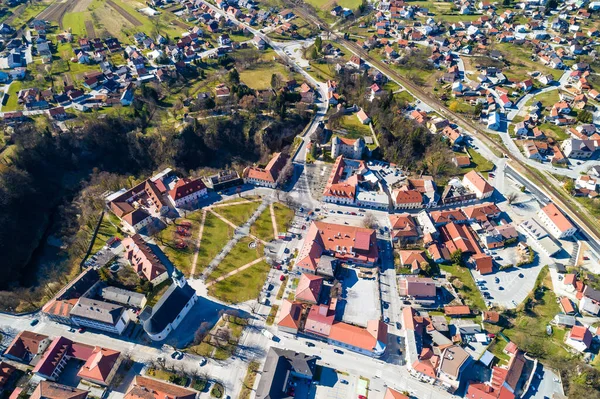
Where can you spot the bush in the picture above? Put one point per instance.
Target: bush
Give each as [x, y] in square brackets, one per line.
[217, 390]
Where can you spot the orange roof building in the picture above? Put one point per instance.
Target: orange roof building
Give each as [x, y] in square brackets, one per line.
[483, 263]
[556, 222]
[457, 311]
[320, 319]
[187, 191]
[369, 341]
[6, 371]
[491, 316]
[267, 176]
[143, 259]
[343, 242]
[26, 346]
[476, 183]
[413, 260]
[309, 288]
[404, 226]
[101, 366]
[393, 394]
[149, 388]
[567, 306]
[341, 187]
[288, 319]
[52, 390]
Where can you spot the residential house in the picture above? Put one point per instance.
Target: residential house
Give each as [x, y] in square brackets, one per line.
[267, 176]
[579, 338]
[476, 183]
[143, 387]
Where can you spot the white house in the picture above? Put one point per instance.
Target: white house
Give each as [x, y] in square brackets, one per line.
[556, 222]
[187, 192]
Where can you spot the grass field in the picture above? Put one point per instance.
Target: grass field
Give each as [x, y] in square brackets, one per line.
[108, 229]
[259, 77]
[238, 214]
[521, 63]
[353, 127]
[556, 132]
[547, 99]
[12, 101]
[181, 258]
[283, 217]
[216, 233]
[263, 227]
[242, 286]
[468, 291]
[240, 255]
[529, 330]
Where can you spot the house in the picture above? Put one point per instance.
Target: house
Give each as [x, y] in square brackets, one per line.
[53, 390]
[393, 394]
[144, 260]
[144, 387]
[309, 288]
[457, 311]
[556, 222]
[187, 192]
[483, 263]
[170, 310]
[493, 121]
[417, 287]
[491, 316]
[27, 347]
[289, 316]
[454, 361]
[267, 176]
[362, 117]
[476, 183]
[567, 306]
[578, 149]
[414, 260]
[579, 338]
[283, 368]
[403, 227]
[222, 91]
[405, 198]
[590, 301]
[58, 113]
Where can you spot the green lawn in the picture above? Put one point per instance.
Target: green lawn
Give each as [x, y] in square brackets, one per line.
[263, 227]
[216, 233]
[259, 76]
[243, 286]
[353, 127]
[238, 214]
[467, 290]
[240, 255]
[168, 240]
[13, 92]
[529, 327]
[556, 132]
[547, 99]
[283, 217]
[76, 21]
[321, 72]
[404, 95]
[108, 229]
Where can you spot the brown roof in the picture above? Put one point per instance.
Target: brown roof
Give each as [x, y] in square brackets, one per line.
[185, 187]
[6, 371]
[452, 360]
[309, 288]
[491, 316]
[459, 310]
[483, 263]
[26, 343]
[270, 172]
[52, 390]
[148, 388]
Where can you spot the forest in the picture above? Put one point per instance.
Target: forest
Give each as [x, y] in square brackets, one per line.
[53, 182]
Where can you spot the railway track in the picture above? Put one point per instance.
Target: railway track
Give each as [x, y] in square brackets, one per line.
[577, 213]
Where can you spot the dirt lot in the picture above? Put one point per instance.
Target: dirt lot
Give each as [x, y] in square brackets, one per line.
[124, 13]
[89, 27]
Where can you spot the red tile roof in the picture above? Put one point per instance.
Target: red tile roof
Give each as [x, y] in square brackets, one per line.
[459, 310]
[99, 365]
[309, 288]
[185, 187]
[320, 319]
[271, 172]
[364, 338]
[557, 217]
[148, 388]
[26, 343]
[483, 263]
[289, 314]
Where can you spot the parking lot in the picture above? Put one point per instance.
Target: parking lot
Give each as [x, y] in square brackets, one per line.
[510, 290]
[390, 174]
[360, 299]
[332, 386]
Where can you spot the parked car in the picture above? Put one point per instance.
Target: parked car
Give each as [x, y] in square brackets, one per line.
[281, 278]
[344, 382]
[521, 275]
[81, 330]
[309, 344]
[203, 361]
[338, 351]
[34, 322]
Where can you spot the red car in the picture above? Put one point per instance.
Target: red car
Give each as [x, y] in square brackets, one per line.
[362, 397]
[81, 330]
[281, 278]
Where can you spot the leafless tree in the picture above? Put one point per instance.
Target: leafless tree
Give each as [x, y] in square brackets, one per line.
[512, 197]
[201, 332]
[369, 221]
